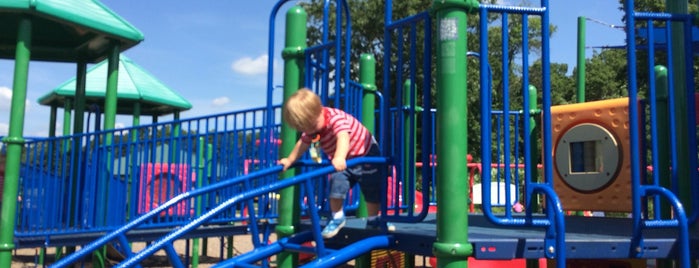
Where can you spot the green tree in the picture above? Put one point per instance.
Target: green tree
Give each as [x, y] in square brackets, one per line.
[606, 75]
[606, 70]
[368, 36]
[562, 85]
[657, 5]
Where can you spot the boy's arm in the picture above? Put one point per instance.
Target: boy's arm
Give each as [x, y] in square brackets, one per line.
[298, 150]
[341, 150]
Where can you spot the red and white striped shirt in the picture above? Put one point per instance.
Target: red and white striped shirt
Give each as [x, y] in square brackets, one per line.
[337, 121]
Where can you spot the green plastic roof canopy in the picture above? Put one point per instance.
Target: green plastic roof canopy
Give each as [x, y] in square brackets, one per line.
[65, 30]
[135, 86]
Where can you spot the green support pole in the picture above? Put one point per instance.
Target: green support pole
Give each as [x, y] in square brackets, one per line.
[175, 132]
[581, 60]
[42, 254]
[134, 134]
[534, 113]
[176, 129]
[580, 83]
[79, 103]
[679, 64]
[663, 124]
[207, 163]
[52, 120]
[201, 169]
[452, 247]
[679, 57]
[408, 164]
[367, 77]
[136, 120]
[110, 101]
[78, 127]
[580, 78]
[52, 133]
[407, 143]
[229, 247]
[110, 110]
[289, 207]
[15, 142]
[67, 114]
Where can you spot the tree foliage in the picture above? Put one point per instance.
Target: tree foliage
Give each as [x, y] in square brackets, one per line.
[368, 34]
[606, 75]
[605, 71]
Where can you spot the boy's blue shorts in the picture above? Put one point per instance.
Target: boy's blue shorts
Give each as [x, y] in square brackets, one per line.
[368, 176]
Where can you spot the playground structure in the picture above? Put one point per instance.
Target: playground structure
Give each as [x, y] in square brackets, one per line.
[66, 181]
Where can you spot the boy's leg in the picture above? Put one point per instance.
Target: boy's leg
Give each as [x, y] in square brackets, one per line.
[373, 221]
[339, 186]
[336, 207]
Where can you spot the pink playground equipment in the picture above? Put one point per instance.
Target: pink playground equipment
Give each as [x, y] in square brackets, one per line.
[160, 182]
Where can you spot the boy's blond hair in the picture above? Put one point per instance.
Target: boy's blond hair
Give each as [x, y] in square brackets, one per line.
[302, 109]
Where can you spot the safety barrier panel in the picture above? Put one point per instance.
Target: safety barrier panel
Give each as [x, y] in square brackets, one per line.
[93, 182]
[667, 196]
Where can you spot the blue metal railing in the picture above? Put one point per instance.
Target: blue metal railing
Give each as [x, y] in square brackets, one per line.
[553, 217]
[65, 182]
[406, 72]
[652, 189]
[502, 175]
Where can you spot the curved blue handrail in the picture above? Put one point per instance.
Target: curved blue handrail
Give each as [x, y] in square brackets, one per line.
[246, 195]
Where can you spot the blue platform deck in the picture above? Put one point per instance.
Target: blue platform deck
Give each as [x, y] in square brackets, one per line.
[586, 238]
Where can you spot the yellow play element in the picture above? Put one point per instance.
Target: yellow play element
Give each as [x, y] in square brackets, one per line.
[591, 155]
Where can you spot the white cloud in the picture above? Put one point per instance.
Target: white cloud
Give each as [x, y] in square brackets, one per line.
[250, 66]
[221, 101]
[5, 98]
[5, 104]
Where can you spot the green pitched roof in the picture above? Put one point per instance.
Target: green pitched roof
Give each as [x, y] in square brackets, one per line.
[135, 85]
[65, 30]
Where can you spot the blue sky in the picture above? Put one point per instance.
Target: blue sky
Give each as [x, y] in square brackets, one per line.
[214, 53]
